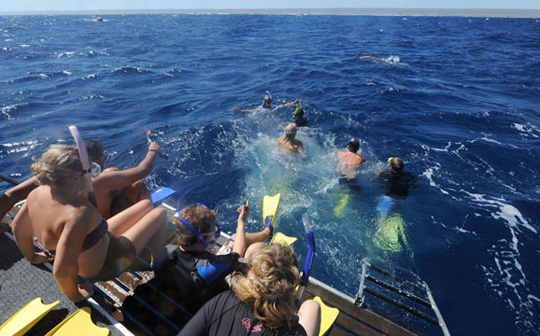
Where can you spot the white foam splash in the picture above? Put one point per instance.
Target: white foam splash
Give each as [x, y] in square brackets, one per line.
[507, 276]
[7, 110]
[527, 130]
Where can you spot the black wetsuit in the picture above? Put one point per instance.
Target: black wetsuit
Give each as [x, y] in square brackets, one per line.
[197, 276]
[398, 184]
[190, 278]
[226, 315]
[300, 122]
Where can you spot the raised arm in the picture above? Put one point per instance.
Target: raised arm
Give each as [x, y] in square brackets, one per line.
[240, 238]
[298, 101]
[237, 109]
[117, 179]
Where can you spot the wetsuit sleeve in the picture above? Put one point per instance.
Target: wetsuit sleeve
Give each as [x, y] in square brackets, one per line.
[217, 266]
[199, 324]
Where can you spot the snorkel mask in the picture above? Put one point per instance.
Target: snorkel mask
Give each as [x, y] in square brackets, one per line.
[95, 170]
[199, 236]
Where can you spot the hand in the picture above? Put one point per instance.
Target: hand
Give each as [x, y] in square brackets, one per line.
[40, 258]
[154, 145]
[298, 101]
[236, 109]
[243, 212]
[85, 291]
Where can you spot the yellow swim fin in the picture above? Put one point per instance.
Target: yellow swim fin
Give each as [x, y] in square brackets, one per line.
[79, 323]
[282, 238]
[270, 209]
[328, 316]
[26, 318]
[341, 206]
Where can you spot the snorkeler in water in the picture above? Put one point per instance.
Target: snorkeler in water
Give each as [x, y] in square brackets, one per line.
[299, 118]
[390, 59]
[267, 105]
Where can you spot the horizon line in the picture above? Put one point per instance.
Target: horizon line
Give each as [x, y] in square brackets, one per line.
[357, 11]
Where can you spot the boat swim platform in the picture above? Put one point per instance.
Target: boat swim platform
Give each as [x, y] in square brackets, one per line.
[21, 282]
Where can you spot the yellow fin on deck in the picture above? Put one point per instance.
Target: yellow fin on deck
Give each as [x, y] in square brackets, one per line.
[328, 316]
[282, 238]
[26, 317]
[78, 324]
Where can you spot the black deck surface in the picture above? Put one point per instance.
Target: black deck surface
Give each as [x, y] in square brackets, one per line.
[21, 282]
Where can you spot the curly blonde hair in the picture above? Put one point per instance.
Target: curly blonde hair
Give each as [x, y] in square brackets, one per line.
[56, 164]
[269, 287]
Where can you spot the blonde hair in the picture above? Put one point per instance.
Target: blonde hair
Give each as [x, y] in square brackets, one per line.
[270, 285]
[56, 164]
[199, 217]
[290, 131]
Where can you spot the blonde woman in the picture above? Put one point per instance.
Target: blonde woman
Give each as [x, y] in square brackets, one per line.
[288, 141]
[261, 302]
[69, 229]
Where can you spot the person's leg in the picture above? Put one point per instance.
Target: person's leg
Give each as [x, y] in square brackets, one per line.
[254, 247]
[255, 237]
[128, 196]
[137, 191]
[309, 316]
[15, 194]
[123, 221]
[149, 230]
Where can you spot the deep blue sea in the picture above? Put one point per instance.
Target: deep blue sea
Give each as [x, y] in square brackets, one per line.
[462, 107]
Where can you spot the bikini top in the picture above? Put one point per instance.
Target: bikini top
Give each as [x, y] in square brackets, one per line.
[90, 240]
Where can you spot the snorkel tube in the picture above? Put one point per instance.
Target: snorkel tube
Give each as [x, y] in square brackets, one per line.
[296, 110]
[311, 253]
[85, 162]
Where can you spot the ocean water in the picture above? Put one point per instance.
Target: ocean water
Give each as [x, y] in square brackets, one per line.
[461, 105]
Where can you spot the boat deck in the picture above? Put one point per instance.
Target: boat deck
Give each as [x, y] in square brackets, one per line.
[20, 282]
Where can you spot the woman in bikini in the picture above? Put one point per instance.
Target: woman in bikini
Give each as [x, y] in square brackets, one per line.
[289, 142]
[69, 229]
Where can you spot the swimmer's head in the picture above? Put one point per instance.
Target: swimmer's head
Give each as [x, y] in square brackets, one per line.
[96, 153]
[396, 164]
[202, 220]
[353, 145]
[267, 101]
[290, 131]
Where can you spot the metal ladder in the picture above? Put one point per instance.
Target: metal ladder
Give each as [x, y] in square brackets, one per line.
[394, 289]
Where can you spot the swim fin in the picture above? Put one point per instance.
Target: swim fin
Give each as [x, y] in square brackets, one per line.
[79, 323]
[328, 316]
[26, 318]
[341, 205]
[282, 238]
[270, 209]
[160, 194]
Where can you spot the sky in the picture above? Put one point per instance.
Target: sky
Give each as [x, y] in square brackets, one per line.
[71, 5]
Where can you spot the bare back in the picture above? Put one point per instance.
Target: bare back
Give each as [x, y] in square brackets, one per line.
[291, 146]
[349, 163]
[61, 225]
